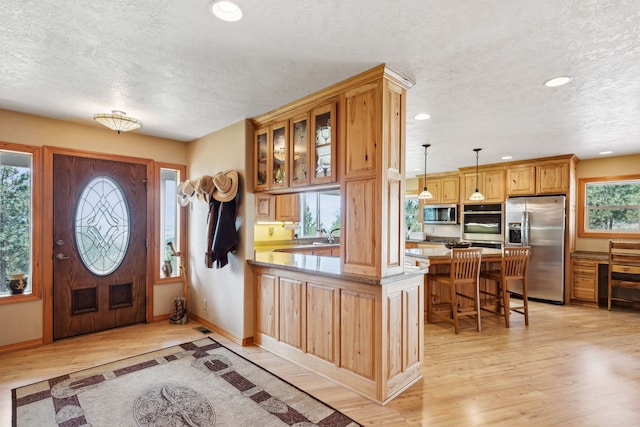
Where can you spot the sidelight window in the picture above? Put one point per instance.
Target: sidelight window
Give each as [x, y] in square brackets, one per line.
[17, 230]
[170, 221]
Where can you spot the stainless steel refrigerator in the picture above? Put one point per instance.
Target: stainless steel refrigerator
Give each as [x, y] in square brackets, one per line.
[539, 222]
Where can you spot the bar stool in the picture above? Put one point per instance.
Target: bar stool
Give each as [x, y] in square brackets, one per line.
[514, 265]
[463, 274]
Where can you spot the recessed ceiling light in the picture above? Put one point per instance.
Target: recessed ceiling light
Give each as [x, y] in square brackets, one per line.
[506, 157]
[557, 81]
[226, 10]
[602, 153]
[422, 116]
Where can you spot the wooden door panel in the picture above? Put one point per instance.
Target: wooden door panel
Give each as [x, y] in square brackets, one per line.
[84, 301]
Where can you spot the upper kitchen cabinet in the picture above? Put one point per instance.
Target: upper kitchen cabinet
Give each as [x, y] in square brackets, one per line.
[280, 155]
[262, 160]
[490, 184]
[444, 189]
[363, 129]
[323, 143]
[540, 176]
[300, 151]
[521, 180]
[552, 177]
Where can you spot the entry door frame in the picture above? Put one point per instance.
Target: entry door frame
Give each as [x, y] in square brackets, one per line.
[47, 236]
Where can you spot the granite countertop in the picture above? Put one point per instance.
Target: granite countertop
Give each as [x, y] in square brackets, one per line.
[322, 266]
[440, 254]
[599, 256]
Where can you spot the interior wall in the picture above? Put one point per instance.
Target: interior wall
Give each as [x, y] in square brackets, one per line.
[26, 318]
[228, 290]
[602, 167]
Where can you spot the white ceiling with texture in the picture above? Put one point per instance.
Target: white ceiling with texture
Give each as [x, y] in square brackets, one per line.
[479, 67]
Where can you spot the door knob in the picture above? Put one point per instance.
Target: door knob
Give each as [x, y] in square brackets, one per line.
[60, 242]
[61, 256]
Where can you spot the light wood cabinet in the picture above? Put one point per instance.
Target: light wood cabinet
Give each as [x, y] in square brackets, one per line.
[521, 180]
[366, 337]
[262, 159]
[300, 158]
[281, 207]
[584, 280]
[323, 142]
[297, 151]
[539, 177]
[552, 178]
[287, 207]
[444, 189]
[280, 155]
[490, 184]
[265, 207]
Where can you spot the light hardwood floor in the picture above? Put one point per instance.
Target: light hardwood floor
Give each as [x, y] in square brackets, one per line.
[573, 366]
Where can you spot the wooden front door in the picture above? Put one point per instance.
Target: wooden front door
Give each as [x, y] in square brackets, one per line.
[99, 238]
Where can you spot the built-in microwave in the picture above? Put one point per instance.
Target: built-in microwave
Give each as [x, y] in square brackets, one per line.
[483, 223]
[440, 214]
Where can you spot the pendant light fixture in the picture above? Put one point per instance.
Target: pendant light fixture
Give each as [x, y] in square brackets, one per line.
[476, 196]
[118, 121]
[425, 194]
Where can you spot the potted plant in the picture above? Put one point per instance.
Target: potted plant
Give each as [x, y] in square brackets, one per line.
[17, 283]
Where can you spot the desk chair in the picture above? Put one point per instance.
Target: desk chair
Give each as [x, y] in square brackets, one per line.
[624, 268]
[463, 273]
[515, 261]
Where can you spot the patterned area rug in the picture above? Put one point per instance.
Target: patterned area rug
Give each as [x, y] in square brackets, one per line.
[201, 383]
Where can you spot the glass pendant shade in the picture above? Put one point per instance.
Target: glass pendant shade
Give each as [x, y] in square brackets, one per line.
[425, 194]
[476, 196]
[118, 121]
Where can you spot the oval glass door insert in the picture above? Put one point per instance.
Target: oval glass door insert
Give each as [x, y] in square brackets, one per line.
[102, 226]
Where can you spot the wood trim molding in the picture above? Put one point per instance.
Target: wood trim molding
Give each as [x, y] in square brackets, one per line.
[582, 233]
[221, 331]
[21, 346]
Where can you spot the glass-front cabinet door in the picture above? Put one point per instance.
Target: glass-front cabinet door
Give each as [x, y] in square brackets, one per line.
[299, 151]
[262, 165]
[323, 140]
[280, 171]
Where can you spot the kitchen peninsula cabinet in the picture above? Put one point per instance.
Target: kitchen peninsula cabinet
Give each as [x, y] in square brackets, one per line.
[365, 335]
[324, 142]
[296, 151]
[490, 184]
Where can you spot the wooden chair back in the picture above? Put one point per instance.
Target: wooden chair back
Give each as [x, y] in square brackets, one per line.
[624, 269]
[465, 265]
[515, 261]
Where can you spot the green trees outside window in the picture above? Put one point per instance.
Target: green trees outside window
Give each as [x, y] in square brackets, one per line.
[15, 216]
[613, 206]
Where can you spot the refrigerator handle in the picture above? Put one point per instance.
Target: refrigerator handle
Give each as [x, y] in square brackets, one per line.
[525, 228]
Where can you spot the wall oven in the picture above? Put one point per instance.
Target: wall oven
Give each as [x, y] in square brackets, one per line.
[440, 214]
[483, 223]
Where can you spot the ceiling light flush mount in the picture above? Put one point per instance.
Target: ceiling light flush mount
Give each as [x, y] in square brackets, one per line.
[422, 116]
[425, 194]
[557, 81]
[476, 196]
[118, 121]
[226, 10]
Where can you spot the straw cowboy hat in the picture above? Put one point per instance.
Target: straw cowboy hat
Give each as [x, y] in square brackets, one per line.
[205, 187]
[226, 186]
[185, 191]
